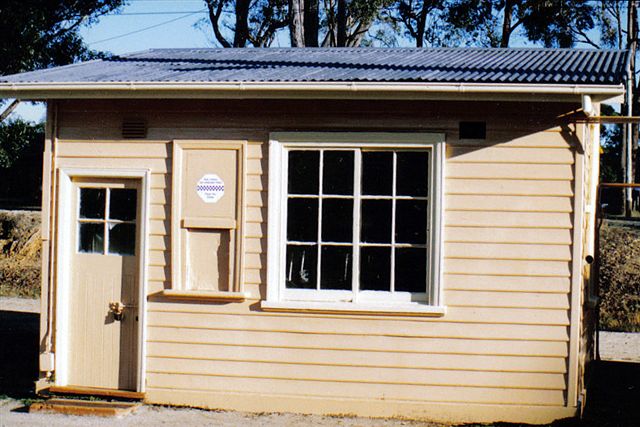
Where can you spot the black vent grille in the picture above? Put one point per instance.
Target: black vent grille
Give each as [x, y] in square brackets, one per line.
[134, 128]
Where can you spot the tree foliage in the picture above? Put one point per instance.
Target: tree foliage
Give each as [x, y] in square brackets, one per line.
[349, 23]
[40, 34]
[254, 23]
[43, 33]
[420, 20]
[311, 23]
[15, 137]
[552, 23]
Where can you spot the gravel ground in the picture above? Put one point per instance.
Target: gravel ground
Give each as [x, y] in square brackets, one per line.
[613, 346]
[162, 416]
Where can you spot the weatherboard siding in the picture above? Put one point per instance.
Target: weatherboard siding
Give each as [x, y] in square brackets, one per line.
[507, 262]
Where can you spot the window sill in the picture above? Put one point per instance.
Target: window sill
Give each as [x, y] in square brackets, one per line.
[204, 295]
[407, 309]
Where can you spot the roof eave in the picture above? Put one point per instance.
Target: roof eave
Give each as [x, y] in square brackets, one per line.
[325, 90]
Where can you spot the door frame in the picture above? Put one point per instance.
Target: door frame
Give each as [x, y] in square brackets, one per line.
[64, 245]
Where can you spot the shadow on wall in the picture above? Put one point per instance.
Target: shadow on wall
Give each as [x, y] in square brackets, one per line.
[18, 353]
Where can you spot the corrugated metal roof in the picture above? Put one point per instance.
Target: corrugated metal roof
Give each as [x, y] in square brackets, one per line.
[438, 65]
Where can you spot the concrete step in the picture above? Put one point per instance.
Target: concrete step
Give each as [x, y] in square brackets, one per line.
[85, 407]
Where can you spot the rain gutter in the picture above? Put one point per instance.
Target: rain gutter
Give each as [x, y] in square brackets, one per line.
[39, 90]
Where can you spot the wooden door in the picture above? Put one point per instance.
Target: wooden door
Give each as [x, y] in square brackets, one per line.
[103, 308]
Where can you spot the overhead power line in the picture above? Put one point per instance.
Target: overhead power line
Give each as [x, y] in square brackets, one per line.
[147, 28]
[177, 12]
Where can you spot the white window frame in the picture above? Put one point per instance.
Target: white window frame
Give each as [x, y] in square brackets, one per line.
[281, 298]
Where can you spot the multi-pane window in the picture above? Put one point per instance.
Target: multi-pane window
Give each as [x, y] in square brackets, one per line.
[107, 221]
[358, 223]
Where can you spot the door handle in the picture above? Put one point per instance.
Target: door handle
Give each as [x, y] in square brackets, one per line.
[117, 308]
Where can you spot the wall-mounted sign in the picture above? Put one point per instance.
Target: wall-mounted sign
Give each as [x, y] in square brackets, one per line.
[210, 188]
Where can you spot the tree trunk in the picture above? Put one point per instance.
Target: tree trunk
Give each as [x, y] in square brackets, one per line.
[635, 103]
[311, 22]
[215, 11]
[296, 23]
[242, 23]
[7, 111]
[628, 133]
[506, 23]
[422, 24]
[342, 23]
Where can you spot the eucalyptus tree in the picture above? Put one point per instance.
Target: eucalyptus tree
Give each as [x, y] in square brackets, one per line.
[552, 23]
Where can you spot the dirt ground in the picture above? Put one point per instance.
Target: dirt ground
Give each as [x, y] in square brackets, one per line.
[613, 398]
[620, 276]
[20, 247]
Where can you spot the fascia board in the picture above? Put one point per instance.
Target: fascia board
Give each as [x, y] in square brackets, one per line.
[321, 90]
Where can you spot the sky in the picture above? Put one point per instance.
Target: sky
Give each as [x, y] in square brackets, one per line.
[141, 25]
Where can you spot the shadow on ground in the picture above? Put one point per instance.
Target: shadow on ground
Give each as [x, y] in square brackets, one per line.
[18, 353]
[614, 396]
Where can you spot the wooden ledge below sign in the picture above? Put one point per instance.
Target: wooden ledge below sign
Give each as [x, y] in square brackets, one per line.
[183, 294]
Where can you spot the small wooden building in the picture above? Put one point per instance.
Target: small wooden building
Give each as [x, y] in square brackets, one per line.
[380, 232]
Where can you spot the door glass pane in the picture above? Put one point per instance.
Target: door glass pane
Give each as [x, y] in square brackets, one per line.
[337, 220]
[412, 173]
[375, 268]
[302, 220]
[377, 173]
[304, 172]
[376, 221]
[122, 239]
[335, 270]
[123, 204]
[92, 201]
[337, 176]
[411, 221]
[91, 237]
[411, 270]
[301, 266]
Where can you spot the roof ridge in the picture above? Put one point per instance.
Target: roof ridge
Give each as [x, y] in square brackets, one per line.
[379, 49]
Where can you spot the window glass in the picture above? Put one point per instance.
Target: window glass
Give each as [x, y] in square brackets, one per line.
[335, 271]
[337, 176]
[92, 202]
[123, 204]
[411, 221]
[412, 173]
[304, 172]
[375, 268]
[411, 269]
[337, 220]
[376, 221]
[122, 239]
[91, 237]
[356, 195]
[302, 262]
[302, 220]
[377, 173]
